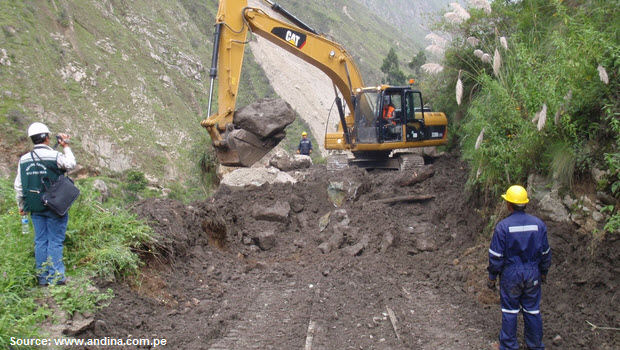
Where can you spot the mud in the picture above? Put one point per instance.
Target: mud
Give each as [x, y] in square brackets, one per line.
[230, 276]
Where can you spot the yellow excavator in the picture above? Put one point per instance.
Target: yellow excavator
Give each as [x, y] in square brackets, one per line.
[381, 118]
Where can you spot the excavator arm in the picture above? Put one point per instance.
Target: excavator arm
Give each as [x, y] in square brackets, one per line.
[233, 22]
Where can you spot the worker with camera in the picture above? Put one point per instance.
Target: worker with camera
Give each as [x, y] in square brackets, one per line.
[36, 167]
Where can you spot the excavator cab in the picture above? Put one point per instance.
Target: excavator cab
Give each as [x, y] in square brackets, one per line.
[391, 115]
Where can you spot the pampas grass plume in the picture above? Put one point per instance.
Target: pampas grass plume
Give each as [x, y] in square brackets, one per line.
[602, 74]
[473, 41]
[479, 140]
[459, 89]
[437, 40]
[497, 62]
[432, 68]
[542, 117]
[460, 11]
[481, 4]
[435, 49]
[504, 42]
[478, 53]
[486, 58]
[453, 18]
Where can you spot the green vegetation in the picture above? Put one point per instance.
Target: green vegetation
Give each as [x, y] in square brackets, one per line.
[391, 69]
[102, 241]
[417, 61]
[547, 98]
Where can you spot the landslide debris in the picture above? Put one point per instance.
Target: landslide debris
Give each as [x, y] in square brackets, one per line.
[256, 263]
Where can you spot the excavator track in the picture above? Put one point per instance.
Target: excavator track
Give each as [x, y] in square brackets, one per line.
[410, 161]
[399, 161]
[337, 161]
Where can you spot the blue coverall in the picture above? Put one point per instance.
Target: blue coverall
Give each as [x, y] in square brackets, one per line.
[305, 146]
[519, 254]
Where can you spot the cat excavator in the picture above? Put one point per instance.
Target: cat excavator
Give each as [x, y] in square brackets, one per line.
[381, 119]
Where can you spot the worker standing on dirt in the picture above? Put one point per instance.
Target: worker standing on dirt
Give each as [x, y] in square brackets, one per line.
[305, 145]
[49, 228]
[521, 256]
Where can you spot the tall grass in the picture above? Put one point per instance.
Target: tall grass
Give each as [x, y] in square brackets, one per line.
[100, 242]
[539, 76]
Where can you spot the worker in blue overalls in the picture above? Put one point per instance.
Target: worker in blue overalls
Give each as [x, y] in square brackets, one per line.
[520, 255]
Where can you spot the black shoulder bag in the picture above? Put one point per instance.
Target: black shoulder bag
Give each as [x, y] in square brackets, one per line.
[58, 195]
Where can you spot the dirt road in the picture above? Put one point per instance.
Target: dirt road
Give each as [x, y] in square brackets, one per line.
[239, 272]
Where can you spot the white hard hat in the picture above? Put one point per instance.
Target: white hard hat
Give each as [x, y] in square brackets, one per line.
[37, 128]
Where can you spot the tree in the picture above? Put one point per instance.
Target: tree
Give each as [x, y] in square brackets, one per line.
[417, 61]
[393, 74]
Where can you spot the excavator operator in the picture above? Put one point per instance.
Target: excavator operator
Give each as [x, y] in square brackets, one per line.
[388, 111]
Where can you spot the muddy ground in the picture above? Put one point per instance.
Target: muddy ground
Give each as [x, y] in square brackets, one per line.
[234, 273]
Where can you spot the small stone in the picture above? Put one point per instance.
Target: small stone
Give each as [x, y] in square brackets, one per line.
[266, 240]
[248, 240]
[100, 328]
[334, 242]
[598, 217]
[299, 243]
[336, 193]
[387, 241]
[425, 245]
[568, 201]
[413, 251]
[605, 198]
[341, 217]
[324, 221]
[355, 249]
[456, 262]
[557, 340]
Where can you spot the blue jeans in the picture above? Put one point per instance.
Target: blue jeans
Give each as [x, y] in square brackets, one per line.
[49, 235]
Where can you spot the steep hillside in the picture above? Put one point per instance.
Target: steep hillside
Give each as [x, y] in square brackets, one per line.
[369, 28]
[127, 79]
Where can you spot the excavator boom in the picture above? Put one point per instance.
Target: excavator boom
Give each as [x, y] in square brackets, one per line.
[234, 21]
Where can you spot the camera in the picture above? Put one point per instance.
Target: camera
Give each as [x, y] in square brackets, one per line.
[59, 139]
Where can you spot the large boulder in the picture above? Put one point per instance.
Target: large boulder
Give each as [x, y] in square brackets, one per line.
[277, 212]
[256, 177]
[553, 207]
[285, 162]
[265, 118]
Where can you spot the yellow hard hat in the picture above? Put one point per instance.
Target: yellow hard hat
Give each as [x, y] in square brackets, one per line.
[304, 134]
[516, 194]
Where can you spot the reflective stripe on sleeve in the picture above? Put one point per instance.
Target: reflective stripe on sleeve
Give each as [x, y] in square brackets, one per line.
[510, 311]
[495, 253]
[535, 312]
[525, 228]
[546, 251]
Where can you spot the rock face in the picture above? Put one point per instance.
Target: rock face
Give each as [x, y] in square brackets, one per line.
[265, 118]
[256, 177]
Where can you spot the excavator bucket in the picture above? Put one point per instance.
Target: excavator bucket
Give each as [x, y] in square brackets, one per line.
[256, 129]
[242, 148]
